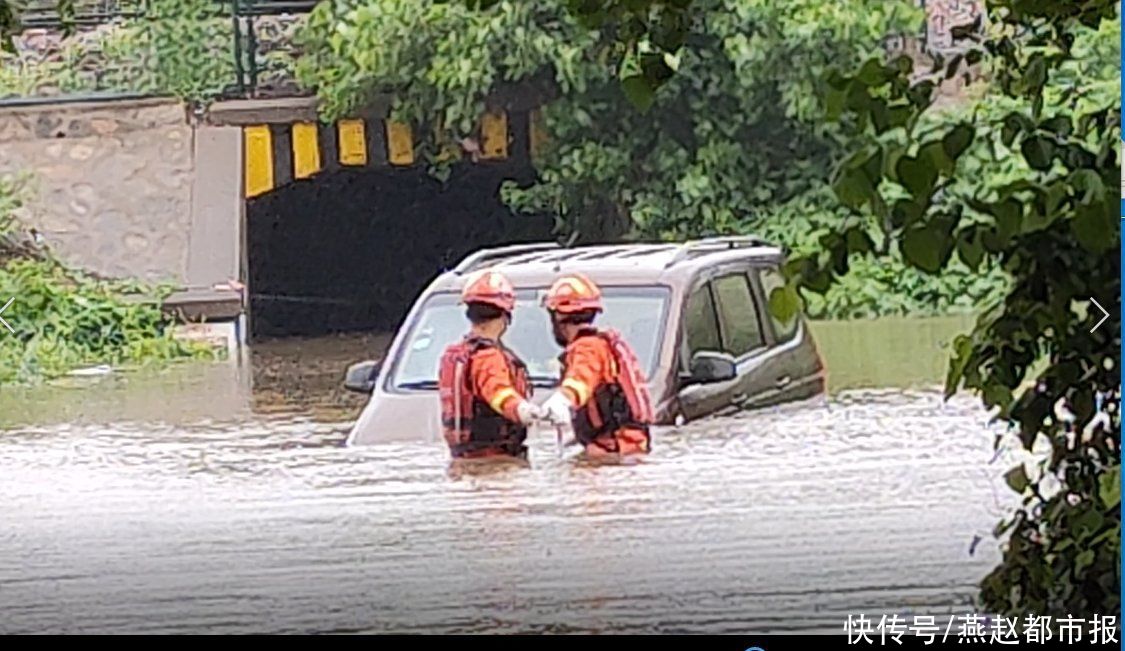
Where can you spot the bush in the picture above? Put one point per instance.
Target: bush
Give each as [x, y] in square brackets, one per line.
[64, 319]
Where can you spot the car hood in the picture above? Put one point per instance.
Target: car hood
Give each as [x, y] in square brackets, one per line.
[416, 416]
[398, 417]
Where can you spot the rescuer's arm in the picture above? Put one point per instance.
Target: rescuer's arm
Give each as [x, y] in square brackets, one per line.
[585, 368]
[493, 383]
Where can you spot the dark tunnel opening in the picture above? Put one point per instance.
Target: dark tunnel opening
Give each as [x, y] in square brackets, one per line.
[351, 249]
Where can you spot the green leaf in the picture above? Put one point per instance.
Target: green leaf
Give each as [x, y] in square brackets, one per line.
[858, 241]
[957, 141]
[1088, 182]
[1008, 134]
[1007, 215]
[997, 395]
[1038, 151]
[785, 302]
[872, 165]
[834, 103]
[921, 94]
[1014, 124]
[934, 153]
[1109, 487]
[929, 246]
[1093, 228]
[880, 118]
[917, 176]
[962, 350]
[906, 212]
[833, 79]
[639, 91]
[899, 116]
[853, 188]
[970, 249]
[872, 73]
[1036, 75]
[819, 281]
[1061, 125]
[853, 184]
[1088, 523]
[1017, 479]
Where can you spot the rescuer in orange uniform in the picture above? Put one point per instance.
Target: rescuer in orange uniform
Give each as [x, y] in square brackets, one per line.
[483, 386]
[603, 394]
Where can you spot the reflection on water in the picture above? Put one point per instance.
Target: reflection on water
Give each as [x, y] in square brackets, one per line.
[182, 503]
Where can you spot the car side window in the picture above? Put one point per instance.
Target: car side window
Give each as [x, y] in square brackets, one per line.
[742, 332]
[772, 279]
[701, 326]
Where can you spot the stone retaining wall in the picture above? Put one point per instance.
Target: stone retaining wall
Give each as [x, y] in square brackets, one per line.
[112, 183]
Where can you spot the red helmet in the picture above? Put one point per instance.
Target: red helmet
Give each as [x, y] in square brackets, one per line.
[573, 293]
[491, 288]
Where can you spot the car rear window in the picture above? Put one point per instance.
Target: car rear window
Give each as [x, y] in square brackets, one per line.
[771, 280]
[742, 332]
[636, 312]
[700, 325]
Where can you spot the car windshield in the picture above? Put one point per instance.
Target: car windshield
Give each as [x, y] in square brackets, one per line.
[636, 312]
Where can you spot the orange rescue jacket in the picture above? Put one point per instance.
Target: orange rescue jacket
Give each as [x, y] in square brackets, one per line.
[481, 384]
[603, 379]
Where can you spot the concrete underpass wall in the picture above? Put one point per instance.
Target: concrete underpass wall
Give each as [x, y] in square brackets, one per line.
[351, 249]
[112, 183]
[129, 188]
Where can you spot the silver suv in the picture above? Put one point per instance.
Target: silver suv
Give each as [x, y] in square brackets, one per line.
[696, 313]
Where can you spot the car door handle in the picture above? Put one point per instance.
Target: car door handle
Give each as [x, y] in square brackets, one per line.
[783, 382]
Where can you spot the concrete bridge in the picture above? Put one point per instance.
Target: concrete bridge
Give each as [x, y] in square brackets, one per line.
[261, 216]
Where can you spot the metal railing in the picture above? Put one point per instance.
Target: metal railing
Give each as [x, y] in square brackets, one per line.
[257, 44]
[42, 22]
[45, 13]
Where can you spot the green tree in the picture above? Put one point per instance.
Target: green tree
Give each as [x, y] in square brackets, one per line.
[733, 141]
[651, 31]
[1022, 182]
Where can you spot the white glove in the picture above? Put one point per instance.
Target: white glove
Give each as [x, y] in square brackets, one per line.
[557, 409]
[528, 412]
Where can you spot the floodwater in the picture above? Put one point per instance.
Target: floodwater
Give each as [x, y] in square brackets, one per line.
[219, 498]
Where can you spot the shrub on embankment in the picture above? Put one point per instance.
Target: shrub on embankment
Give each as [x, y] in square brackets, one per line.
[62, 319]
[734, 143]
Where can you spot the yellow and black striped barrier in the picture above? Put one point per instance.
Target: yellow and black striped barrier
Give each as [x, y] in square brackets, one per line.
[276, 154]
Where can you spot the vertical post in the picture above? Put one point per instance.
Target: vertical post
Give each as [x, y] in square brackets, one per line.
[252, 50]
[237, 47]
[925, 26]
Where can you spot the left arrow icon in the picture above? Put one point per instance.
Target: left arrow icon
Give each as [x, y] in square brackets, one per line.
[2, 321]
[1105, 315]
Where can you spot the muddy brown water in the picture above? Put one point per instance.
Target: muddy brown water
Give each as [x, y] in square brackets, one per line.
[219, 498]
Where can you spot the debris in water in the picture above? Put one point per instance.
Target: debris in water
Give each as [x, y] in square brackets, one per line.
[92, 371]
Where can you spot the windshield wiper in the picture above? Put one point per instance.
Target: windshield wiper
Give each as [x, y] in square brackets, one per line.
[543, 380]
[420, 384]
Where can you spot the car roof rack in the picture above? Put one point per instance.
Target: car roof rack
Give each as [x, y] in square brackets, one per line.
[708, 244]
[478, 258]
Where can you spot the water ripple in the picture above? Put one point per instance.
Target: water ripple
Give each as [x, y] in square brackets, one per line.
[785, 519]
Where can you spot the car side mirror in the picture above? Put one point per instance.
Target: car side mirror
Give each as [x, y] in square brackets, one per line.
[708, 367]
[361, 376]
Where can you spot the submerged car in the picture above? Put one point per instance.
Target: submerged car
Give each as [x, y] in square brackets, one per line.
[696, 313]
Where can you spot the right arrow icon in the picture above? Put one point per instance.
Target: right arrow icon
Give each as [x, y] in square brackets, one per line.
[6, 306]
[1105, 315]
